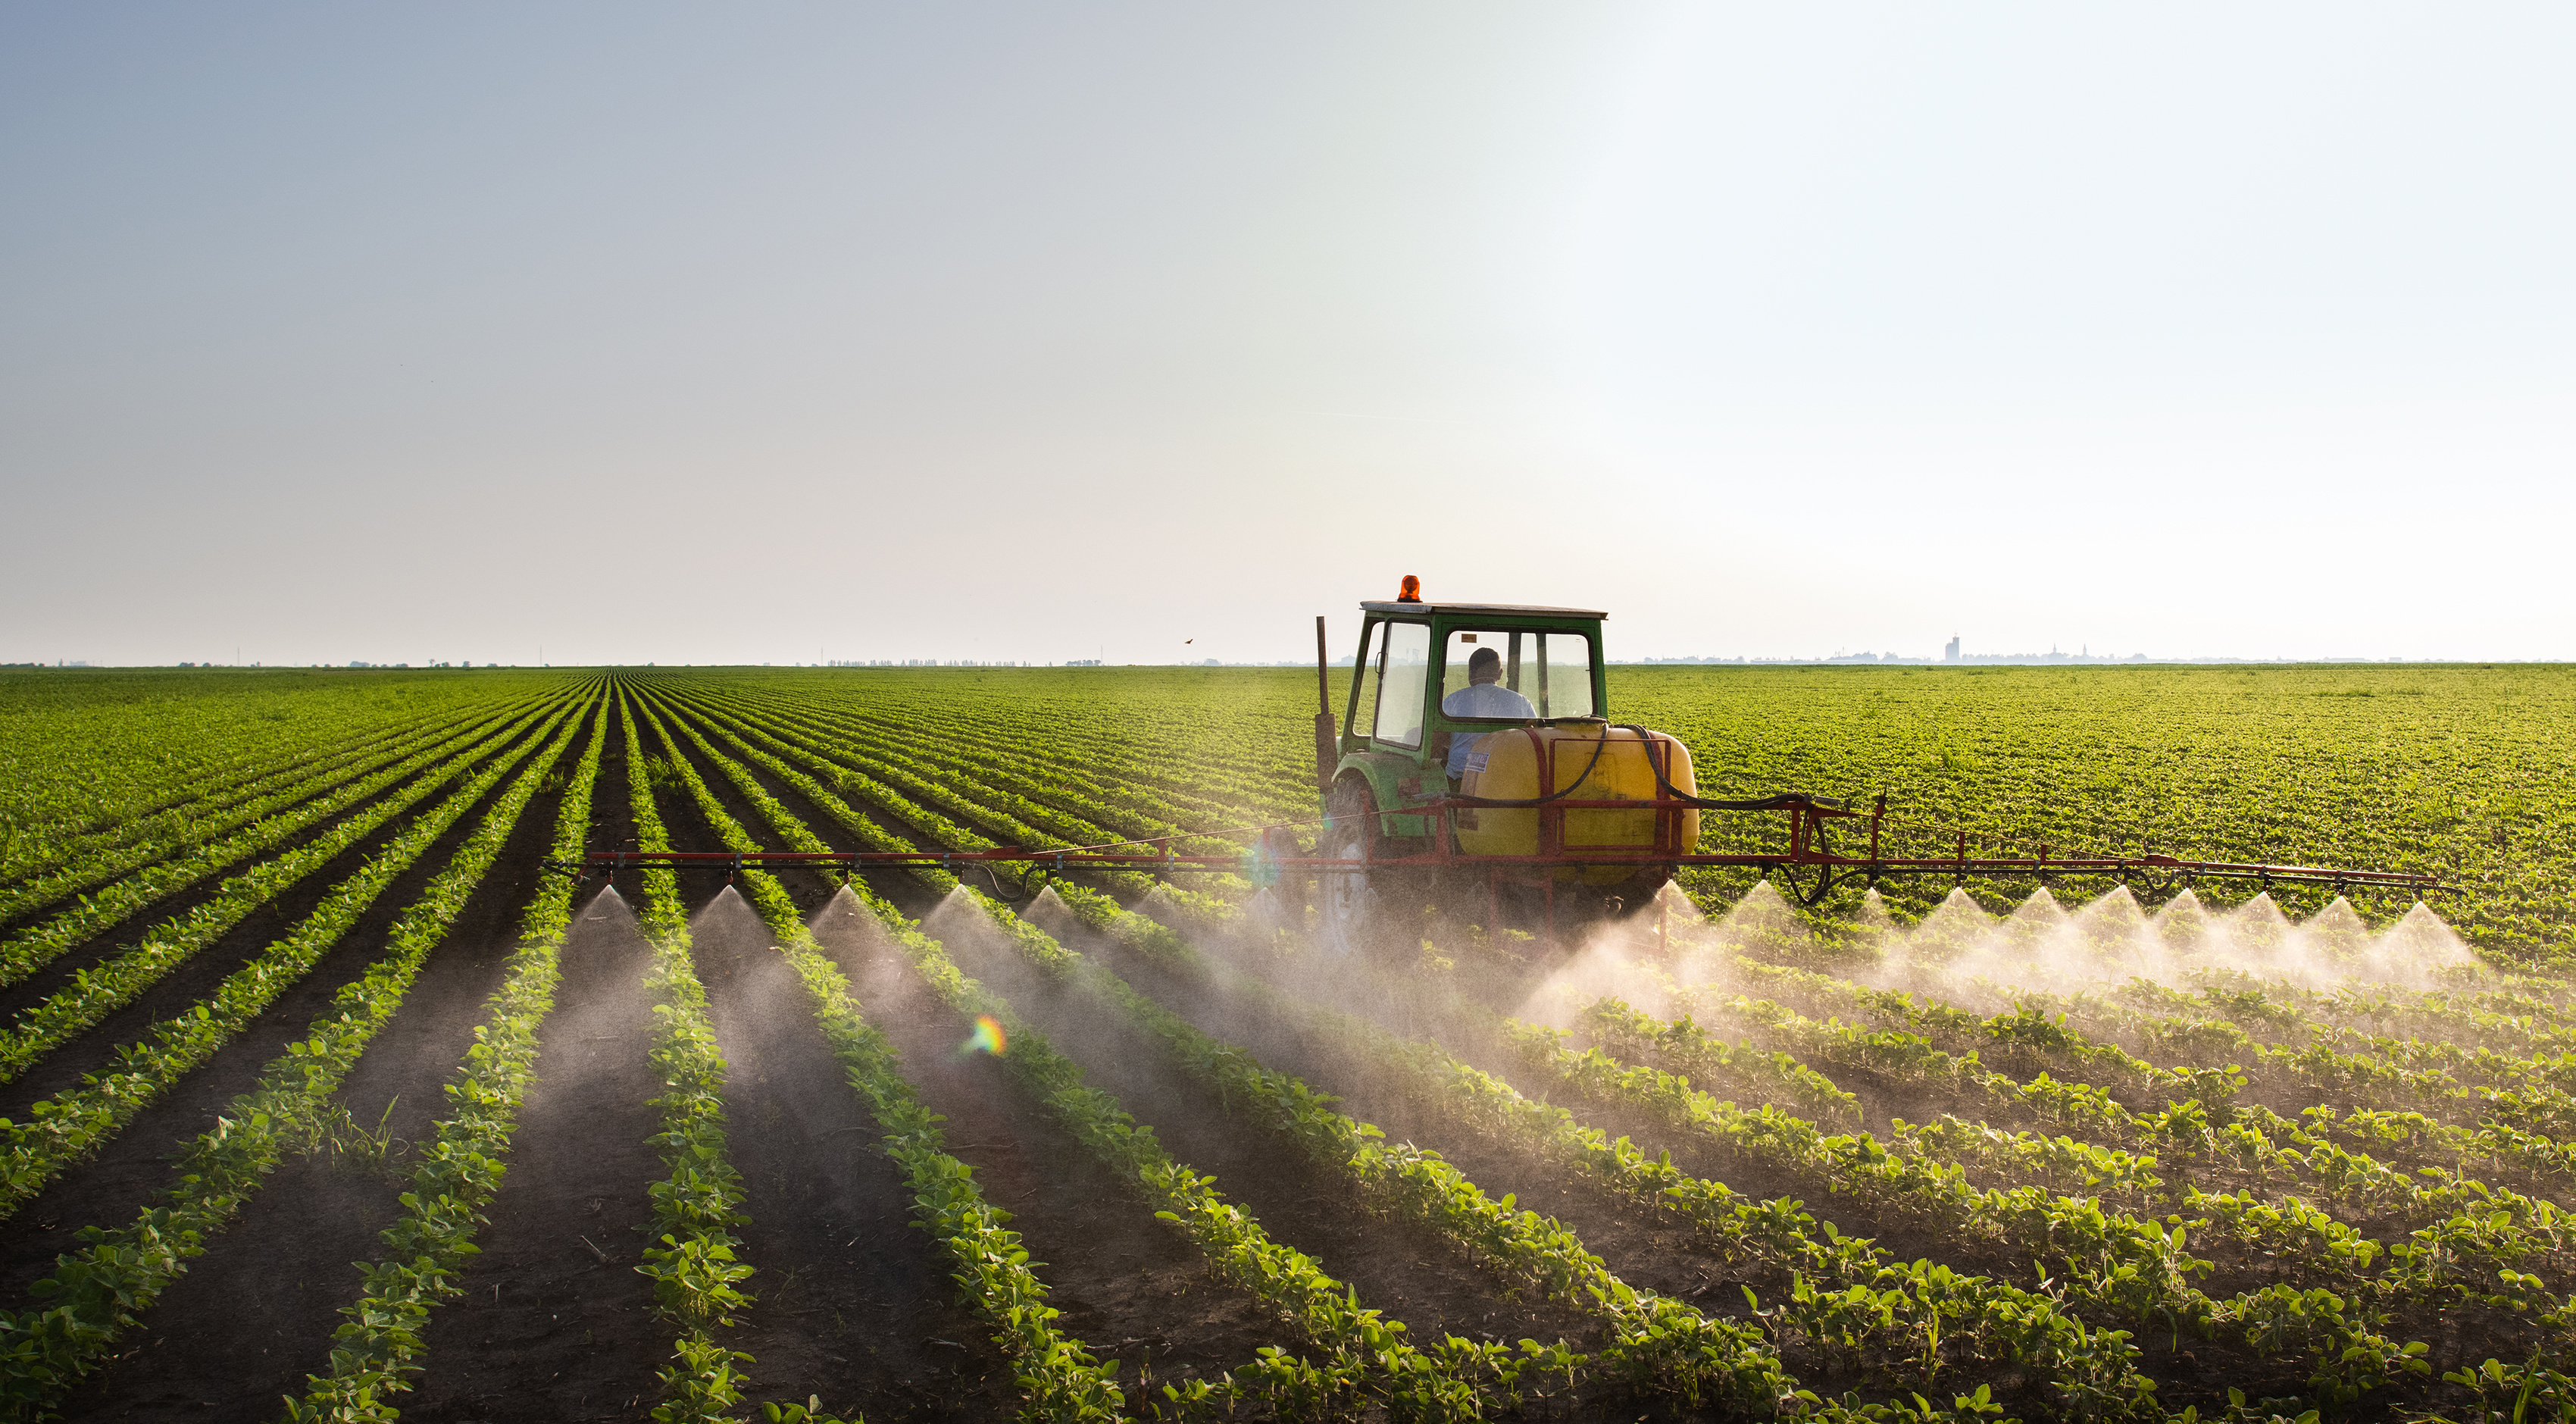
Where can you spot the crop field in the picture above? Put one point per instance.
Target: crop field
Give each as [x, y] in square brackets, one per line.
[322, 1098]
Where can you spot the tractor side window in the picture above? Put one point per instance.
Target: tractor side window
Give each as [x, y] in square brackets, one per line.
[1363, 713]
[1564, 674]
[1403, 673]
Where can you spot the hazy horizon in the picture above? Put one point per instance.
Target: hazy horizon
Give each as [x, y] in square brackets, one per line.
[1143, 332]
[1340, 664]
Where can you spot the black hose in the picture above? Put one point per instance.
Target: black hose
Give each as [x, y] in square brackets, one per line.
[1782, 802]
[1544, 800]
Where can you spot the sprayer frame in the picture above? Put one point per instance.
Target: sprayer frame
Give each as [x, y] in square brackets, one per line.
[1809, 853]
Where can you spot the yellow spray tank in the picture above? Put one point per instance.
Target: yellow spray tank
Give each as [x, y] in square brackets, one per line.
[1577, 763]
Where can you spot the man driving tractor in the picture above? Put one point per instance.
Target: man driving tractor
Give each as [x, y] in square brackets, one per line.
[1483, 696]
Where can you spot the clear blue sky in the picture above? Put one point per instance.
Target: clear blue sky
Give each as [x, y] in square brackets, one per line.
[758, 333]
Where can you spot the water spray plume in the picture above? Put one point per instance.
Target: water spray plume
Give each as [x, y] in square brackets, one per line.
[605, 904]
[1266, 912]
[1957, 924]
[727, 903]
[2421, 935]
[1642, 961]
[1048, 911]
[1872, 916]
[1763, 919]
[1677, 906]
[1960, 951]
[2338, 928]
[951, 906]
[2258, 926]
[2113, 929]
[1159, 905]
[843, 901]
[2036, 920]
[2182, 921]
[1605, 966]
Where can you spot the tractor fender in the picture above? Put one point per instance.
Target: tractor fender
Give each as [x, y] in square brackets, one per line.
[1380, 772]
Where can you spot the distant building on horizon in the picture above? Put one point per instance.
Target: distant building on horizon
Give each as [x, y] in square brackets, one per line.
[1950, 650]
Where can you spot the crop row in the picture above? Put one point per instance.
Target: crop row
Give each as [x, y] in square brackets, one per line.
[1064, 1379]
[2504, 1013]
[697, 1281]
[91, 994]
[379, 1346]
[97, 1293]
[1184, 750]
[2348, 1062]
[78, 863]
[67, 1126]
[1030, 810]
[1025, 821]
[42, 944]
[2316, 1075]
[1108, 802]
[2206, 1124]
[85, 761]
[820, 758]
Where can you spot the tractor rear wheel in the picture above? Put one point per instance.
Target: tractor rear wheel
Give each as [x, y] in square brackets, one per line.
[1346, 902]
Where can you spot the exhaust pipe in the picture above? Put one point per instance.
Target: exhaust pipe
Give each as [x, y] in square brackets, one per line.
[1328, 749]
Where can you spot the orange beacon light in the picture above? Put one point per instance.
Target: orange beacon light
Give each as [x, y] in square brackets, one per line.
[1411, 592]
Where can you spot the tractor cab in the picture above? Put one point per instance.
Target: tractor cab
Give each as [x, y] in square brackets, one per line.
[1431, 679]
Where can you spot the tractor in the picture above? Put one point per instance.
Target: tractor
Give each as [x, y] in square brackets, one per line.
[1476, 768]
[1476, 762]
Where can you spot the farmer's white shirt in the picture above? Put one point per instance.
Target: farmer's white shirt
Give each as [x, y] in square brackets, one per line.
[1480, 699]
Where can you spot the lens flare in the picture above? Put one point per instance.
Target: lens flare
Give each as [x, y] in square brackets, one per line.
[987, 1037]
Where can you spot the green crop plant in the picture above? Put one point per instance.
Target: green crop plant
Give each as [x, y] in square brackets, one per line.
[64, 1127]
[697, 1281]
[100, 1291]
[379, 1346]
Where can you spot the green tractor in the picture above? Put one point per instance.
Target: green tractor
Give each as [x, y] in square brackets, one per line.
[1477, 769]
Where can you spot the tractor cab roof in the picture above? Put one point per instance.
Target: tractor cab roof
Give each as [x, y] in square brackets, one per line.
[1480, 610]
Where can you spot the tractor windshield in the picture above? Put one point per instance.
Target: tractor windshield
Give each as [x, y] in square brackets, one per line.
[1516, 675]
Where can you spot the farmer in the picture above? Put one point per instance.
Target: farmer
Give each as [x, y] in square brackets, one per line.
[1483, 696]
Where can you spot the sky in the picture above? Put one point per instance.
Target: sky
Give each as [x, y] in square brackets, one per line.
[784, 333]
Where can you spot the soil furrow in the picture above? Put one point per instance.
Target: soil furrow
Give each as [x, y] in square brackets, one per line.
[552, 1322]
